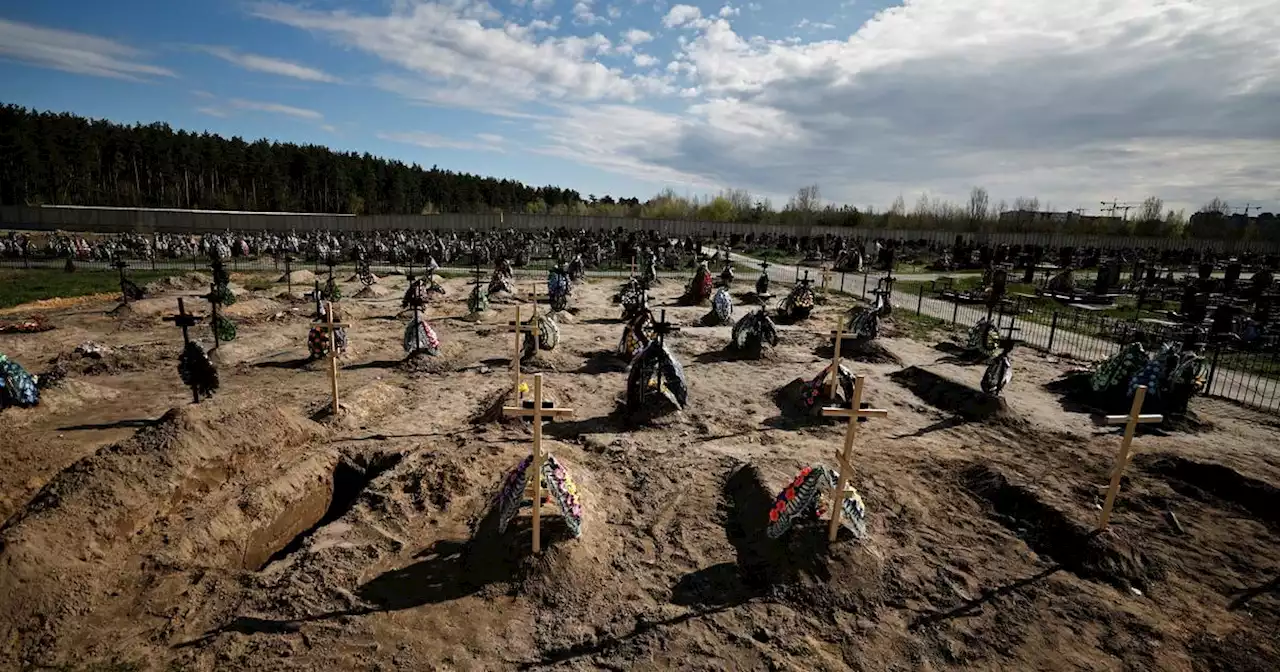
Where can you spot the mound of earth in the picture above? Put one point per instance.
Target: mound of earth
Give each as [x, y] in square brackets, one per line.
[186, 282]
[298, 277]
[802, 565]
[374, 291]
[93, 359]
[74, 546]
[251, 308]
[1056, 536]
[948, 395]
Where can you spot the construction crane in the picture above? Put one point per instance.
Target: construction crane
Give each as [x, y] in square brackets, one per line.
[1247, 207]
[1113, 206]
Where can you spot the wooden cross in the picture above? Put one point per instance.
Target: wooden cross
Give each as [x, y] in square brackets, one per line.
[185, 320]
[329, 325]
[520, 328]
[835, 358]
[1130, 422]
[826, 278]
[288, 272]
[537, 413]
[856, 414]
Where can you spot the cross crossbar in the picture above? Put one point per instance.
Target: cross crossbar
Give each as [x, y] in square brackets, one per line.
[1131, 423]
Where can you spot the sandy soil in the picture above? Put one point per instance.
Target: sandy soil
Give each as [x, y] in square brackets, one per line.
[255, 531]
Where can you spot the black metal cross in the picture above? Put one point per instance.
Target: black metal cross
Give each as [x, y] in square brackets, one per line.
[662, 327]
[185, 320]
[288, 272]
[212, 298]
[121, 265]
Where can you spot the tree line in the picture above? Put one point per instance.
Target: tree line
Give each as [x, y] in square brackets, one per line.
[65, 159]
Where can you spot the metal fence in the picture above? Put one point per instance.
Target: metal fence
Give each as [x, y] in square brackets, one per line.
[151, 220]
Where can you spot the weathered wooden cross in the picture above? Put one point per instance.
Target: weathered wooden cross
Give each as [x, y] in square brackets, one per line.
[330, 326]
[826, 278]
[520, 328]
[855, 414]
[537, 414]
[186, 321]
[1130, 422]
[838, 334]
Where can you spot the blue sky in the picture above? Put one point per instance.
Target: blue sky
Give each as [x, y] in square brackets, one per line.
[1072, 103]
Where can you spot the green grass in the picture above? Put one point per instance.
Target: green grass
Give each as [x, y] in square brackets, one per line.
[19, 286]
[1041, 308]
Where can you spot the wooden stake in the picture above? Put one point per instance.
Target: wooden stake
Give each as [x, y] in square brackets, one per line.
[537, 413]
[826, 279]
[330, 326]
[1130, 422]
[835, 358]
[854, 413]
[519, 328]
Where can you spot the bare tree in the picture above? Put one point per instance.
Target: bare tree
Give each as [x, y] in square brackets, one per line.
[1216, 205]
[899, 206]
[808, 199]
[1151, 209]
[1024, 203]
[979, 204]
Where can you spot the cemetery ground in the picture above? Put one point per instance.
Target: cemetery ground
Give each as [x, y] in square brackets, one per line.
[258, 531]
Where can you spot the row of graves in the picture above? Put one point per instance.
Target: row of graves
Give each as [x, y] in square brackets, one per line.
[820, 510]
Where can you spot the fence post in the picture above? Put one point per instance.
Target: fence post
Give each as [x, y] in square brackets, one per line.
[920, 301]
[955, 313]
[842, 283]
[1053, 331]
[1213, 367]
[864, 283]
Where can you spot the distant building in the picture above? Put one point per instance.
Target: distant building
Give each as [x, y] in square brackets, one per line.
[1032, 219]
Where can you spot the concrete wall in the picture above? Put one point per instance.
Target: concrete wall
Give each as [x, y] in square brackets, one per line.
[120, 220]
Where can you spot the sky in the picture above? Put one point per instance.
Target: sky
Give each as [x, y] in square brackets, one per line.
[1073, 102]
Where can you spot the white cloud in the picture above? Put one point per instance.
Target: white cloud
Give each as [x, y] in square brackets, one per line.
[329, 128]
[729, 10]
[613, 12]
[275, 108]
[584, 15]
[1072, 102]
[212, 111]
[269, 65]
[636, 36]
[816, 25]
[684, 15]
[70, 51]
[447, 58]
[644, 61]
[486, 142]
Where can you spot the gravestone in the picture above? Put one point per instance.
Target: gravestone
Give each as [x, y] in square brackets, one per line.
[1232, 276]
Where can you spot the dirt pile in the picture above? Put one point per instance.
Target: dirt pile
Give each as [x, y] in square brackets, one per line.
[950, 396]
[180, 283]
[63, 554]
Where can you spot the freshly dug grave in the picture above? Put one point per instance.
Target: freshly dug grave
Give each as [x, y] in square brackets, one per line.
[1056, 536]
[947, 395]
[64, 553]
